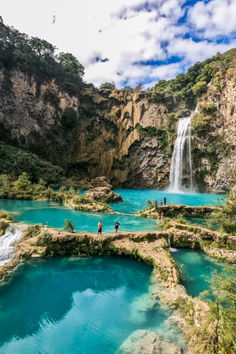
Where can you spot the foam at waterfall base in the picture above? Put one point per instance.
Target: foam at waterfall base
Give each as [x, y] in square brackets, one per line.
[7, 243]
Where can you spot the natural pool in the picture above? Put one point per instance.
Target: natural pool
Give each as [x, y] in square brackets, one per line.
[135, 199]
[79, 305]
[88, 303]
[54, 214]
[196, 267]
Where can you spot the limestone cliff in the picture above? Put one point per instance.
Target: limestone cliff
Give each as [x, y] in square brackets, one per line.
[33, 115]
[129, 138]
[214, 136]
[125, 135]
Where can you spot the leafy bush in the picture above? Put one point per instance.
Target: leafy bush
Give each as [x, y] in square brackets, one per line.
[222, 314]
[108, 85]
[200, 122]
[226, 216]
[199, 88]
[15, 161]
[69, 226]
[209, 108]
[45, 238]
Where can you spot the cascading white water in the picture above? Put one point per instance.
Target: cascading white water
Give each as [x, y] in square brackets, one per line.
[7, 242]
[183, 140]
[171, 249]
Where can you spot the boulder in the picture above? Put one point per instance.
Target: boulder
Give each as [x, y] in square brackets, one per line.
[100, 182]
[147, 342]
[104, 194]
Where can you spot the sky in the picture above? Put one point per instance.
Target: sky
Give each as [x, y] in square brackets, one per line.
[129, 41]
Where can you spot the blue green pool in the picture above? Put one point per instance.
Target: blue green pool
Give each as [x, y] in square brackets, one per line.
[54, 214]
[79, 305]
[135, 199]
[196, 267]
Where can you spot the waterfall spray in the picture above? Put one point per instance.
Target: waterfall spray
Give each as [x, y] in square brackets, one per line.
[183, 140]
[171, 249]
[7, 241]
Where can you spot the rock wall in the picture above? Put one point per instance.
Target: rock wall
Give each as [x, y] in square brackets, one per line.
[214, 146]
[127, 137]
[31, 115]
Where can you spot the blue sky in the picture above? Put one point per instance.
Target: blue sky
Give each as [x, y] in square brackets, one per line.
[129, 41]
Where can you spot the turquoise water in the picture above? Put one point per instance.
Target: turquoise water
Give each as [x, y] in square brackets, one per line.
[196, 267]
[54, 214]
[73, 305]
[135, 199]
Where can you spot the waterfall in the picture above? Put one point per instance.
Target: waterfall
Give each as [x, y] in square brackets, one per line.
[7, 241]
[171, 249]
[182, 143]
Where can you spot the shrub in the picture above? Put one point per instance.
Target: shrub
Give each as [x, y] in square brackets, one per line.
[199, 88]
[68, 226]
[45, 238]
[209, 108]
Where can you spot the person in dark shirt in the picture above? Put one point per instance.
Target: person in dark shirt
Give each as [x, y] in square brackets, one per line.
[116, 226]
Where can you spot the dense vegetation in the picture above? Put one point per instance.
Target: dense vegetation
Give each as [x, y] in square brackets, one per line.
[23, 188]
[37, 57]
[15, 161]
[226, 216]
[194, 83]
[222, 315]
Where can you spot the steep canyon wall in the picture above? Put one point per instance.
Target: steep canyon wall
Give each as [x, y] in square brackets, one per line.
[126, 136]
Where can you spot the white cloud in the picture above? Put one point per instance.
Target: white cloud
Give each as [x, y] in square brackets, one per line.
[126, 32]
[217, 17]
[193, 51]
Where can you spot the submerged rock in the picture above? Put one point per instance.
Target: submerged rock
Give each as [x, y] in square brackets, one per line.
[147, 342]
[104, 194]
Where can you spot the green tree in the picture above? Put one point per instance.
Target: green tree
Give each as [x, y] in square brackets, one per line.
[221, 339]
[4, 186]
[199, 88]
[22, 187]
[71, 72]
[226, 216]
[108, 85]
[69, 226]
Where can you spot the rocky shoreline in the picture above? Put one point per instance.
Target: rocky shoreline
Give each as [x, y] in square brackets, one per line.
[177, 211]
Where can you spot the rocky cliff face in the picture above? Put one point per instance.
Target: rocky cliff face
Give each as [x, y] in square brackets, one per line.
[32, 115]
[128, 137]
[214, 135]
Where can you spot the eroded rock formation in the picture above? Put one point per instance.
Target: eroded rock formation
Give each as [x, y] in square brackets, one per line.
[125, 136]
[104, 194]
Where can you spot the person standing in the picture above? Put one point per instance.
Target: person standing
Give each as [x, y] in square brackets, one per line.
[117, 224]
[161, 202]
[165, 201]
[100, 226]
[162, 215]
